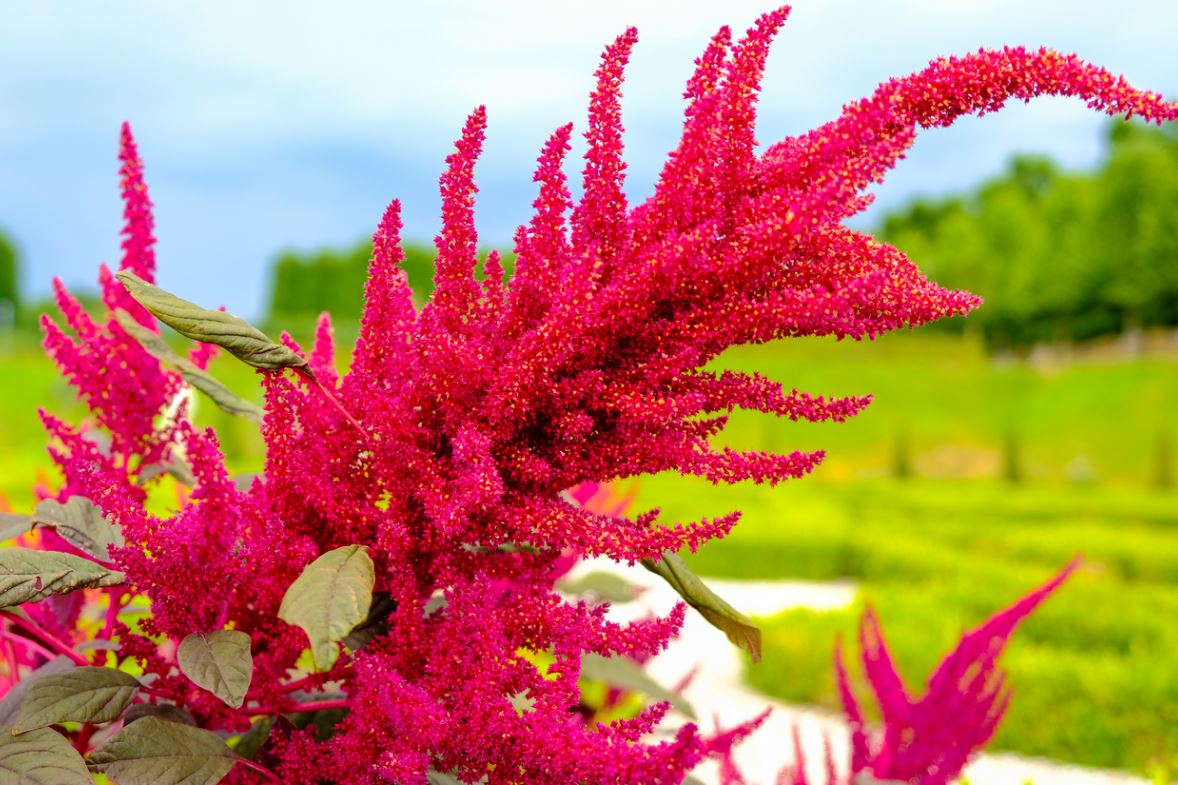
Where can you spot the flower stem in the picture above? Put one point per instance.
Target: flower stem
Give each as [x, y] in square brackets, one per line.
[115, 600]
[314, 680]
[43, 636]
[12, 639]
[259, 769]
[323, 705]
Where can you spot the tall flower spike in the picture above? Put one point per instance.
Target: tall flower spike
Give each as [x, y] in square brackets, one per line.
[738, 107]
[684, 194]
[322, 359]
[542, 247]
[382, 353]
[138, 227]
[455, 289]
[599, 222]
[833, 163]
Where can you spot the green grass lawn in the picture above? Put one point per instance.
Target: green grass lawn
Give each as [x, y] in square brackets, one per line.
[1094, 671]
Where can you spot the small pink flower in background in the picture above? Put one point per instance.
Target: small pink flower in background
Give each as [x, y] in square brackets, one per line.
[927, 740]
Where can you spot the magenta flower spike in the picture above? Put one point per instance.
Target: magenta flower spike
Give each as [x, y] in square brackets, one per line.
[928, 739]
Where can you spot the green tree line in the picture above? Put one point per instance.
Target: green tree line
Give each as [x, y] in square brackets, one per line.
[1059, 256]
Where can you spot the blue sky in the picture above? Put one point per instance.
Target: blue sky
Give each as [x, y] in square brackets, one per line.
[271, 125]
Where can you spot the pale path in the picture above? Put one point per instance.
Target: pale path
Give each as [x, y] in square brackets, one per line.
[718, 692]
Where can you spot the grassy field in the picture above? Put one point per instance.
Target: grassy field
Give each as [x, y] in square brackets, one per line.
[1007, 470]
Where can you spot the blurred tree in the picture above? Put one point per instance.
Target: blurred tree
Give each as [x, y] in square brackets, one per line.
[1060, 257]
[9, 282]
[1140, 242]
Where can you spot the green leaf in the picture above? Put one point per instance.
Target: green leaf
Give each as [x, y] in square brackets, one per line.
[250, 742]
[86, 694]
[40, 757]
[738, 627]
[603, 585]
[376, 623]
[31, 576]
[220, 662]
[522, 702]
[438, 778]
[234, 334]
[152, 751]
[329, 599]
[80, 522]
[163, 711]
[154, 344]
[176, 467]
[12, 525]
[626, 673]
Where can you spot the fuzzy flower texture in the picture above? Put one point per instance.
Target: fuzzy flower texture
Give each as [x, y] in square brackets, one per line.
[481, 408]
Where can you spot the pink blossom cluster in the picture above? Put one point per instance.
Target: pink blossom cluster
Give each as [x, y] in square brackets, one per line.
[479, 410]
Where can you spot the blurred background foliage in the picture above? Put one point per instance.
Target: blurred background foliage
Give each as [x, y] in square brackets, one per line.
[998, 446]
[1060, 257]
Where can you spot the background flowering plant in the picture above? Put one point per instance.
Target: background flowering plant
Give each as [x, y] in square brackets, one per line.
[381, 604]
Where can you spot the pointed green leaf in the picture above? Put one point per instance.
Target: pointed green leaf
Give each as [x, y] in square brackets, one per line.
[626, 673]
[85, 694]
[330, 598]
[252, 741]
[31, 576]
[225, 399]
[738, 627]
[12, 525]
[152, 751]
[80, 522]
[220, 662]
[234, 334]
[41, 757]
